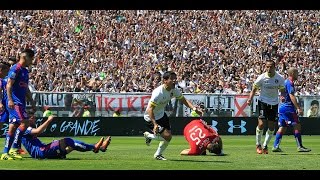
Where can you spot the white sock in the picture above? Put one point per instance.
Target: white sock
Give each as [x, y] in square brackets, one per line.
[162, 146]
[156, 137]
[259, 133]
[268, 137]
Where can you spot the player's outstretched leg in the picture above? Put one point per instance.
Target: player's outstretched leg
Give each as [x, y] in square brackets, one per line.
[105, 144]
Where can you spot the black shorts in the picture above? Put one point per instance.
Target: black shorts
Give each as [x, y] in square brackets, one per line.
[267, 111]
[163, 122]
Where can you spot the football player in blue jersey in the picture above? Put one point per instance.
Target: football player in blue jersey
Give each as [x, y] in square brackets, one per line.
[57, 149]
[17, 91]
[4, 115]
[288, 114]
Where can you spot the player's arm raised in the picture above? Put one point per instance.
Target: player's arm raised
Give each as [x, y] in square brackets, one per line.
[42, 127]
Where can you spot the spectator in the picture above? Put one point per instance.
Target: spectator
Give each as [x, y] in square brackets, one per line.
[86, 112]
[124, 51]
[203, 109]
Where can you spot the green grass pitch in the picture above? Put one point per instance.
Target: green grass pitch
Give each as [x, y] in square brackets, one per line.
[131, 153]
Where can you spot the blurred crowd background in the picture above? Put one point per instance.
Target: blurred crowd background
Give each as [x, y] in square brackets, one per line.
[216, 51]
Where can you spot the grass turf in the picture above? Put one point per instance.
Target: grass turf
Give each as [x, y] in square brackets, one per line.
[131, 153]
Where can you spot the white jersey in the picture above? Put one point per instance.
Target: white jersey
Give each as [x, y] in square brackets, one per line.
[160, 98]
[269, 88]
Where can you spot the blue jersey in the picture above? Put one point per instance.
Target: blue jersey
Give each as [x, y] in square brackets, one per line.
[3, 84]
[39, 150]
[4, 115]
[21, 77]
[288, 105]
[287, 112]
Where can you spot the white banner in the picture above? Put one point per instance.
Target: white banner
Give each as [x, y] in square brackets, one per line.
[224, 102]
[213, 103]
[196, 100]
[52, 100]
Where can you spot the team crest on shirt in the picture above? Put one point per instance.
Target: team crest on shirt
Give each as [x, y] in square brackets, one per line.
[276, 81]
[171, 94]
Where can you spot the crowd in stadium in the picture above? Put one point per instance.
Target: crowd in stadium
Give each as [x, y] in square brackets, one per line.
[216, 51]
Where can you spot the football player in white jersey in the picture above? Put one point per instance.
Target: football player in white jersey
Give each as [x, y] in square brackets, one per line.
[269, 84]
[156, 118]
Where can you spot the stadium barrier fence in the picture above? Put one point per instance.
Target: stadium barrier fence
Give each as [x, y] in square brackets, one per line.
[70, 104]
[135, 126]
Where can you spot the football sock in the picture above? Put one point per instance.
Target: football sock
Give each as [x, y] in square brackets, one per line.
[17, 137]
[8, 142]
[297, 136]
[258, 135]
[268, 137]
[162, 146]
[156, 137]
[78, 145]
[277, 141]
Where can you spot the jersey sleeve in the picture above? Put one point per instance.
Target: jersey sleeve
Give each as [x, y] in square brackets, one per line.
[13, 72]
[258, 82]
[290, 87]
[28, 131]
[155, 97]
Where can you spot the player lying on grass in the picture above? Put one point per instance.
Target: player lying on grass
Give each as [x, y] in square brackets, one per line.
[201, 137]
[57, 149]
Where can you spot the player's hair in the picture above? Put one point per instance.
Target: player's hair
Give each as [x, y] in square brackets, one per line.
[27, 52]
[291, 71]
[215, 148]
[168, 74]
[272, 62]
[314, 102]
